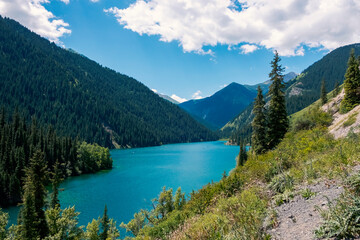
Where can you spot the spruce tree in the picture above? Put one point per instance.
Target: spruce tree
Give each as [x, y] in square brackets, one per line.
[105, 225]
[351, 84]
[258, 138]
[242, 154]
[277, 120]
[33, 216]
[323, 93]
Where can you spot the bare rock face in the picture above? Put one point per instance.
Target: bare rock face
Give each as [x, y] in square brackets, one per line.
[341, 126]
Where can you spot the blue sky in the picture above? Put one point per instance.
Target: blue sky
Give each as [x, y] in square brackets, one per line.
[191, 48]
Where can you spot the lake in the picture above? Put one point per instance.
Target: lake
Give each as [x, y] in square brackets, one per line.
[138, 176]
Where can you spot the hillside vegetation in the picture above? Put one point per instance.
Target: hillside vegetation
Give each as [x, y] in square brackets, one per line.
[82, 99]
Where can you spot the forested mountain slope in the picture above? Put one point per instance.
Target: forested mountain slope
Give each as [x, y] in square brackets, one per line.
[224, 105]
[80, 98]
[304, 89]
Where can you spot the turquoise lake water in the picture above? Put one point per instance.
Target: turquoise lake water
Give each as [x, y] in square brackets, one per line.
[138, 176]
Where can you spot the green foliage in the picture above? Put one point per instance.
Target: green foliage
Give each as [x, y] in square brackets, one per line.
[351, 84]
[311, 118]
[307, 193]
[242, 157]
[237, 217]
[63, 224]
[351, 120]
[258, 137]
[93, 157]
[135, 224]
[277, 116]
[323, 93]
[342, 220]
[105, 225]
[281, 182]
[3, 223]
[63, 156]
[284, 197]
[353, 183]
[95, 229]
[33, 220]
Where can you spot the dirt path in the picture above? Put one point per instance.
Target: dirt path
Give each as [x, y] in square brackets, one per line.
[298, 219]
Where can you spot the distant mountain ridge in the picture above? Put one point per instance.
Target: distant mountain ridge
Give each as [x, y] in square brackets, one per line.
[168, 98]
[82, 99]
[222, 106]
[217, 110]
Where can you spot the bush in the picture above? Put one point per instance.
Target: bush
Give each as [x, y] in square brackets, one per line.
[281, 182]
[307, 193]
[314, 117]
[342, 220]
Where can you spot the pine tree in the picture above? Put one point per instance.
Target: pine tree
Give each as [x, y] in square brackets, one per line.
[278, 122]
[258, 138]
[351, 84]
[323, 93]
[105, 225]
[242, 154]
[33, 216]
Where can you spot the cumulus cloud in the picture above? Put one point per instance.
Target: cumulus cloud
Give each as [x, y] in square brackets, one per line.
[248, 48]
[285, 25]
[33, 15]
[154, 90]
[177, 98]
[197, 95]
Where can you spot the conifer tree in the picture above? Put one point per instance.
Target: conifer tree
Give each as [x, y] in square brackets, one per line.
[277, 119]
[105, 225]
[33, 216]
[242, 154]
[351, 84]
[258, 138]
[323, 93]
[55, 181]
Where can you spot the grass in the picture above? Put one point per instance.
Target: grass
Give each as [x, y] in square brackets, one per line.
[351, 120]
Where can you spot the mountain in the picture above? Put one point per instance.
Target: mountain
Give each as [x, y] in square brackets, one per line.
[302, 90]
[83, 99]
[265, 85]
[305, 89]
[166, 97]
[216, 110]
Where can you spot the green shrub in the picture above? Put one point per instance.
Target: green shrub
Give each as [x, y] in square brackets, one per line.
[281, 182]
[353, 183]
[282, 198]
[314, 117]
[342, 220]
[307, 193]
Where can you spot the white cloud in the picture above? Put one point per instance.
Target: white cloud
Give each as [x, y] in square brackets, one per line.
[33, 15]
[285, 25]
[248, 48]
[94, 1]
[197, 95]
[223, 86]
[154, 90]
[65, 1]
[179, 99]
